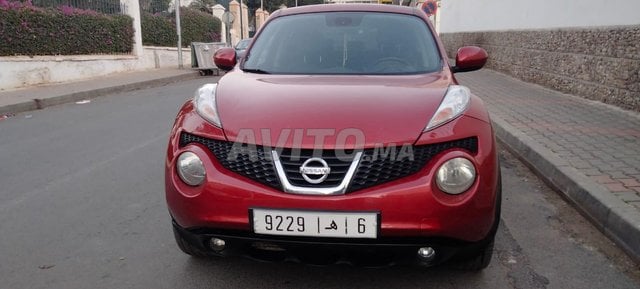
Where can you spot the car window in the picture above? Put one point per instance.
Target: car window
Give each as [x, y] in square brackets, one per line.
[243, 44]
[345, 43]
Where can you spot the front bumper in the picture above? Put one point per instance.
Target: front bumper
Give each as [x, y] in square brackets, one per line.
[327, 251]
[410, 207]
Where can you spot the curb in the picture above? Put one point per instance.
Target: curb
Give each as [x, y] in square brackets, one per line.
[40, 103]
[615, 218]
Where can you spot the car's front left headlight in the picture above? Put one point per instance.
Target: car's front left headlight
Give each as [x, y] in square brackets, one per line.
[456, 176]
[455, 102]
[205, 101]
[191, 169]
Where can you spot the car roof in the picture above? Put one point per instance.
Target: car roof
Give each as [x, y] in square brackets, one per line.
[347, 8]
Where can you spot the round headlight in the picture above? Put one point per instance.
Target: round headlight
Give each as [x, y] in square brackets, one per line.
[456, 176]
[190, 169]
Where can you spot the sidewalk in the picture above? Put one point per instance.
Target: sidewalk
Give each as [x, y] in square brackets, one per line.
[587, 150]
[36, 97]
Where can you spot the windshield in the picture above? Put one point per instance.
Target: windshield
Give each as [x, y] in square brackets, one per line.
[345, 43]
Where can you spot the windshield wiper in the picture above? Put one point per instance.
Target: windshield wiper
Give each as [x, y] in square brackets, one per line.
[256, 70]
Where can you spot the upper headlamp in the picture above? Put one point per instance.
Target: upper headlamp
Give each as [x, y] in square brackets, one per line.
[205, 100]
[455, 102]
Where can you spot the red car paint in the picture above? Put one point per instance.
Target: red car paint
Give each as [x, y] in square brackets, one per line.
[389, 109]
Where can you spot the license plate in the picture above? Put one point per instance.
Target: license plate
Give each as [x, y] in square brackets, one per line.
[315, 224]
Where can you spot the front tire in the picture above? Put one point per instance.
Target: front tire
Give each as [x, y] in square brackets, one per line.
[187, 247]
[481, 258]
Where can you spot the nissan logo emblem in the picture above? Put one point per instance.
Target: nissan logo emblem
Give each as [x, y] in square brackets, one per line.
[315, 167]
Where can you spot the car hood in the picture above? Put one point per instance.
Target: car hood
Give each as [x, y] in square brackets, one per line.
[328, 111]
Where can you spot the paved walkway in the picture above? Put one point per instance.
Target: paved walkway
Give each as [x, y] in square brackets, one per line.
[589, 150]
[25, 99]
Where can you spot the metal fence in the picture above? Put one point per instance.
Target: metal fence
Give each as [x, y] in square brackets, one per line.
[101, 6]
[155, 6]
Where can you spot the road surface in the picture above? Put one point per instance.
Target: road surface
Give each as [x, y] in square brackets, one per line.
[82, 206]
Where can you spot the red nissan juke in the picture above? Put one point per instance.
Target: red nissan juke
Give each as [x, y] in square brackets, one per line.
[342, 135]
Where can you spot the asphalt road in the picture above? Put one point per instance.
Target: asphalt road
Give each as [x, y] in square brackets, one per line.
[82, 206]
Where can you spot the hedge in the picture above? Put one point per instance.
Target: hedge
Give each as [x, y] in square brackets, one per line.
[160, 30]
[29, 30]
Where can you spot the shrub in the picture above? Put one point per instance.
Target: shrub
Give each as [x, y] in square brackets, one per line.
[28, 30]
[160, 30]
[198, 26]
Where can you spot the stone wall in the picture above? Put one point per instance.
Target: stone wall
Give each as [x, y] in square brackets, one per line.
[596, 63]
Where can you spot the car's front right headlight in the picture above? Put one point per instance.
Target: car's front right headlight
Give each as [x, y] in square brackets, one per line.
[205, 101]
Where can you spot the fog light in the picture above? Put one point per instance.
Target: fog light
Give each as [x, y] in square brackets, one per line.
[426, 252]
[217, 244]
[190, 169]
[456, 176]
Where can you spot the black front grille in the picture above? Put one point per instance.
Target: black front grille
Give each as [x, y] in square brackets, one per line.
[241, 159]
[338, 162]
[377, 166]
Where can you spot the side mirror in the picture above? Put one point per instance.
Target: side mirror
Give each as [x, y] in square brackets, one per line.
[470, 58]
[225, 58]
